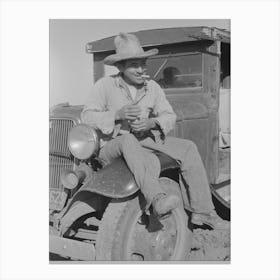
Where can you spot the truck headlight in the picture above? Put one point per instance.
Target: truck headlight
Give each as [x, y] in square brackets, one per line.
[70, 179]
[83, 141]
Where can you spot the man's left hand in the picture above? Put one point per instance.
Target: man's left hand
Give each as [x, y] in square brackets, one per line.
[143, 124]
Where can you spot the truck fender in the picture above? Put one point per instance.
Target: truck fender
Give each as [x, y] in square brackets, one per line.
[114, 180]
[82, 203]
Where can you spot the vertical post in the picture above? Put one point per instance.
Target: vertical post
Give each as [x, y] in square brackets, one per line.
[211, 89]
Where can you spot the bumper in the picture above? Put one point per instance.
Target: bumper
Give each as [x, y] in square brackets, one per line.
[74, 249]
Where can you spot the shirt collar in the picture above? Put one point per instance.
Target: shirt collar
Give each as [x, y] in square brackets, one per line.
[122, 84]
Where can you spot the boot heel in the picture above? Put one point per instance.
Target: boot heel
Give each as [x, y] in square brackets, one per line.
[197, 222]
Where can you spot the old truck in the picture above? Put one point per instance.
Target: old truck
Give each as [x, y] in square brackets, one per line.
[96, 212]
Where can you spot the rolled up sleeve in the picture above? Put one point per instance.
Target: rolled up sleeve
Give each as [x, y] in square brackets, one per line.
[95, 112]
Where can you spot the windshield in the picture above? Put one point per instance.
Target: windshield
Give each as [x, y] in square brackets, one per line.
[176, 71]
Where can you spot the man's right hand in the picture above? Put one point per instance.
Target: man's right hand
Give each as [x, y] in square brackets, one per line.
[128, 112]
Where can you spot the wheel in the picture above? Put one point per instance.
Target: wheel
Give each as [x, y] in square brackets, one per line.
[126, 233]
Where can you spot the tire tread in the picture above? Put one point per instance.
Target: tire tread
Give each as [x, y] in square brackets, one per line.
[109, 223]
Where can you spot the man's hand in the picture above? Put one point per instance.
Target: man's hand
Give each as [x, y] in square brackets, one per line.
[143, 124]
[128, 112]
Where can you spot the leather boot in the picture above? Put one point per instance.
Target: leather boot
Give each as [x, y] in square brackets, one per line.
[163, 203]
[212, 219]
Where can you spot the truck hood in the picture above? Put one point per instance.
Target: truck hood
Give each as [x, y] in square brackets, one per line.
[67, 111]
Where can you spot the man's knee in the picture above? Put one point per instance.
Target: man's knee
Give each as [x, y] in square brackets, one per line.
[128, 140]
[190, 144]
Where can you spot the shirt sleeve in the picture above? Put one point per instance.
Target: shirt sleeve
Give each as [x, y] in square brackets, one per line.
[95, 112]
[164, 114]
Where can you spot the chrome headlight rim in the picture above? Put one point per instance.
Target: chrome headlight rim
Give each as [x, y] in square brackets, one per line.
[83, 141]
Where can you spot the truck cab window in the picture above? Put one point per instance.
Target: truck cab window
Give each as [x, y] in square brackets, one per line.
[176, 71]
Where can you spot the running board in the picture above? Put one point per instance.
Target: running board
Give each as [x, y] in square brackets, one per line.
[77, 250]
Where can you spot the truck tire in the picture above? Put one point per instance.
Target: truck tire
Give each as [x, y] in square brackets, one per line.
[126, 233]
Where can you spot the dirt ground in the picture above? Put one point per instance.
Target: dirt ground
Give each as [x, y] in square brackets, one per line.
[210, 245]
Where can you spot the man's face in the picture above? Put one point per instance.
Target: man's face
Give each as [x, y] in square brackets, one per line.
[132, 70]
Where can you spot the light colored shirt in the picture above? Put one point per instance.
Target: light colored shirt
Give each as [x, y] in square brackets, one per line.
[109, 94]
[133, 91]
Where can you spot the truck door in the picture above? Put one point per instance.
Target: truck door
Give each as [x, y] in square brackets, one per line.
[189, 73]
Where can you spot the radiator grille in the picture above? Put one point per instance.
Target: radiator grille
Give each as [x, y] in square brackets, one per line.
[60, 157]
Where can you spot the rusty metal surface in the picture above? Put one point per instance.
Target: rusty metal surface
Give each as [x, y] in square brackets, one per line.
[155, 37]
[66, 111]
[197, 113]
[114, 180]
[71, 248]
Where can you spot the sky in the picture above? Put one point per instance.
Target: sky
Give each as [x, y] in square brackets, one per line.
[71, 68]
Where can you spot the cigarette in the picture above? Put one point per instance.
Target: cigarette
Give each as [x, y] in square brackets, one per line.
[145, 76]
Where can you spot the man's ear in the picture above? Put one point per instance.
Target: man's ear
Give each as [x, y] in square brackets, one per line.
[120, 65]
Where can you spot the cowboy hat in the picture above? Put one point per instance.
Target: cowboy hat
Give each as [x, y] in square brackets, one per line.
[128, 47]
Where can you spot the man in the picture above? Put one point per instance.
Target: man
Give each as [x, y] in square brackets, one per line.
[134, 118]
